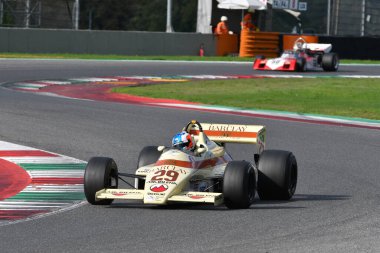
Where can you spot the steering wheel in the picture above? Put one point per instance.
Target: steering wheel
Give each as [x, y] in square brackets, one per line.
[190, 125]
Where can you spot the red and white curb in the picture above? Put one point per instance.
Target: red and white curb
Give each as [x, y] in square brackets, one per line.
[98, 88]
[35, 183]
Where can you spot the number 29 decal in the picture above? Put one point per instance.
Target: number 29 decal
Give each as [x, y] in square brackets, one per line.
[165, 175]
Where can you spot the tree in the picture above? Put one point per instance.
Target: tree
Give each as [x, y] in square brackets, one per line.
[137, 15]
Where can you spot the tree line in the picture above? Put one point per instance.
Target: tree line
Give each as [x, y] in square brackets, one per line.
[137, 15]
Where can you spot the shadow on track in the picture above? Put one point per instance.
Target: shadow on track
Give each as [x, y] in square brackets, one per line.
[258, 204]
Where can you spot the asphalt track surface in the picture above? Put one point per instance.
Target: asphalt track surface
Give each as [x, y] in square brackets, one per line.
[336, 207]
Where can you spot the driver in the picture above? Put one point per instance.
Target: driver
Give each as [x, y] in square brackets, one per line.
[183, 141]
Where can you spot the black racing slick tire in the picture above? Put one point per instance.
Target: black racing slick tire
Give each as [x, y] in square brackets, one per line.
[277, 172]
[239, 185]
[330, 62]
[101, 173]
[301, 65]
[148, 155]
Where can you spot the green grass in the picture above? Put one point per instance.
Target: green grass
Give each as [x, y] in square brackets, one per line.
[134, 57]
[333, 96]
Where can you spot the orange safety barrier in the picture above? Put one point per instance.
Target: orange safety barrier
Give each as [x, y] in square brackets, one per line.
[288, 40]
[226, 44]
[259, 43]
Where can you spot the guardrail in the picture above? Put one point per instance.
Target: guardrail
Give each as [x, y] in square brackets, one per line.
[105, 42]
[159, 43]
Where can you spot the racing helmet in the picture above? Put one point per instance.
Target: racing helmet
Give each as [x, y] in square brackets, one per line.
[183, 141]
[299, 45]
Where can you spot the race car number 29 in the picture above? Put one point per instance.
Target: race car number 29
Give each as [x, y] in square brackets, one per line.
[165, 175]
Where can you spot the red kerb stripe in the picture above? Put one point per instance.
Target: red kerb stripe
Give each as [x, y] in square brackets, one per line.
[22, 153]
[57, 180]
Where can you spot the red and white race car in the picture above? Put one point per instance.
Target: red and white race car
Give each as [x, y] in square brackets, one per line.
[303, 57]
[206, 174]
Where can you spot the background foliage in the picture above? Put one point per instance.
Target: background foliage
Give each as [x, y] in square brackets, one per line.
[137, 15]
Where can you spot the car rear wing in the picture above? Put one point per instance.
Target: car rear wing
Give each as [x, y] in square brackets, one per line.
[230, 133]
[326, 48]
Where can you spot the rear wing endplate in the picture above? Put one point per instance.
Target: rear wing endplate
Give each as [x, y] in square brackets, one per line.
[230, 133]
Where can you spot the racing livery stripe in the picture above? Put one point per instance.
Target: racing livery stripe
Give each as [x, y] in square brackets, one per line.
[196, 164]
[179, 163]
[226, 133]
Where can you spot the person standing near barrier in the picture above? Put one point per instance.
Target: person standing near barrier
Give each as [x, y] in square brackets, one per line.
[247, 25]
[222, 27]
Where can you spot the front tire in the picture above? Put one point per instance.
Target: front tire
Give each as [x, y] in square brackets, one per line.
[277, 175]
[101, 173]
[301, 64]
[239, 185]
[148, 155]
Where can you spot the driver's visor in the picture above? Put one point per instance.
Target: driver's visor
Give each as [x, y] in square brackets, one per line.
[181, 145]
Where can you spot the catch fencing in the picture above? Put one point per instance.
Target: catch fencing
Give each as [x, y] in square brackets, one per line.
[333, 17]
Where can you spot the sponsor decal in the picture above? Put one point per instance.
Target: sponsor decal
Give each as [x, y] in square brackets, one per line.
[196, 197]
[156, 193]
[160, 182]
[275, 63]
[119, 194]
[168, 167]
[227, 128]
[159, 187]
[202, 195]
[151, 198]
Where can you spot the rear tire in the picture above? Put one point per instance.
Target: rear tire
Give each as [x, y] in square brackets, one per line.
[148, 155]
[277, 175]
[330, 62]
[239, 184]
[101, 173]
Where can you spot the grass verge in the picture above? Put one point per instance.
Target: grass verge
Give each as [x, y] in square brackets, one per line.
[337, 97]
[132, 57]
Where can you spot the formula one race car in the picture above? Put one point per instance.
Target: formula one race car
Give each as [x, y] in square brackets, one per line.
[204, 174]
[303, 57]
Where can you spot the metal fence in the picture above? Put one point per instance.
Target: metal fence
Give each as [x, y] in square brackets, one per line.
[356, 17]
[327, 17]
[333, 17]
[38, 13]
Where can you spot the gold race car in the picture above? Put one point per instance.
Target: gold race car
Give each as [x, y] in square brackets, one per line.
[204, 173]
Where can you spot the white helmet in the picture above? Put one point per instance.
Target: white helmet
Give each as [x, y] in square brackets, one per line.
[223, 18]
